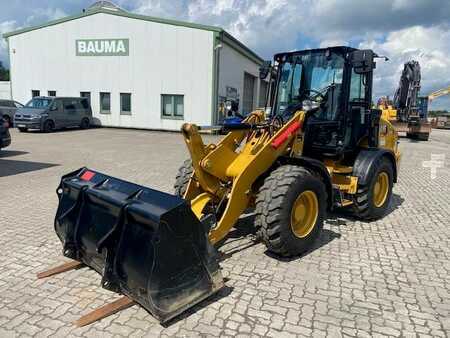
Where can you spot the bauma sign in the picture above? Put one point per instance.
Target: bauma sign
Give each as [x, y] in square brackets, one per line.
[102, 47]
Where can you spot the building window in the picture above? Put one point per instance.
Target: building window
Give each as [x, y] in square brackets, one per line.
[105, 103]
[125, 103]
[172, 106]
[35, 93]
[86, 95]
[51, 93]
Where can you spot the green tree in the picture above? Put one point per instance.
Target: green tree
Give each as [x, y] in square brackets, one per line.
[4, 73]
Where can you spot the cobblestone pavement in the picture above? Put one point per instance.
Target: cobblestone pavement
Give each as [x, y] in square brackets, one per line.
[384, 278]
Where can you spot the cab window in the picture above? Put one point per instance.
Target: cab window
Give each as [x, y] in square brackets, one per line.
[357, 88]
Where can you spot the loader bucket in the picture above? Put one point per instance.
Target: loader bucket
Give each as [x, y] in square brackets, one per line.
[146, 244]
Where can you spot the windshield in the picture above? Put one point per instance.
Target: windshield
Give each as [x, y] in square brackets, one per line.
[308, 76]
[38, 103]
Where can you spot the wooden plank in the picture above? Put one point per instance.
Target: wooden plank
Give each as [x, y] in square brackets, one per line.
[105, 311]
[59, 269]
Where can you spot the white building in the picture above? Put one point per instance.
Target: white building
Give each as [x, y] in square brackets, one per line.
[139, 71]
[5, 90]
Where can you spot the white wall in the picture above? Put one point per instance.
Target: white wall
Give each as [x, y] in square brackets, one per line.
[231, 72]
[164, 59]
[5, 90]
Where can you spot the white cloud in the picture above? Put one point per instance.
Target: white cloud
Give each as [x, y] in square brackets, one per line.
[6, 26]
[429, 46]
[37, 16]
[401, 29]
[40, 15]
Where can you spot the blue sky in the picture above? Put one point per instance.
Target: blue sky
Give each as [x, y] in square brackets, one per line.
[401, 29]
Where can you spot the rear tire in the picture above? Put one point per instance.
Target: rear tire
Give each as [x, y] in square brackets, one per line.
[23, 130]
[183, 177]
[423, 136]
[290, 209]
[372, 200]
[85, 124]
[49, 126]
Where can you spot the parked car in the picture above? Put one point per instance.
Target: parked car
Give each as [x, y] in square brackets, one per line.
[5, 137]
[50, 113]
[8, 109]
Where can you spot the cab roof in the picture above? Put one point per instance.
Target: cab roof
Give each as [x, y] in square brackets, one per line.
[337, 49]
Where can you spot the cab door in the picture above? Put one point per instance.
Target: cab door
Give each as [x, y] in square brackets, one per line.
[358, 118]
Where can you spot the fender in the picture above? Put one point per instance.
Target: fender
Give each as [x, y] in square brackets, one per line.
[365, 164]
[317, 167]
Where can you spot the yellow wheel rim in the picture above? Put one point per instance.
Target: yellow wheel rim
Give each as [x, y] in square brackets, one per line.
[304, 213]
[381, 189]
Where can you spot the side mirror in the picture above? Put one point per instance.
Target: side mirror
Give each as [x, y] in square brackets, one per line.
[53, 108]
[362, 61]
[264, 70]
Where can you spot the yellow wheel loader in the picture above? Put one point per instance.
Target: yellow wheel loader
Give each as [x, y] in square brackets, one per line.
[322, 147]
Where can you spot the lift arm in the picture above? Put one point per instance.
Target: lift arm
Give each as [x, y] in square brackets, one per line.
[224, 174]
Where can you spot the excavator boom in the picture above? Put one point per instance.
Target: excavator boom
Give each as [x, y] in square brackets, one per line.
[406, 112]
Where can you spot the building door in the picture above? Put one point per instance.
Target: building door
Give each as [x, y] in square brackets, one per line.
[262, 93]
[249, 91]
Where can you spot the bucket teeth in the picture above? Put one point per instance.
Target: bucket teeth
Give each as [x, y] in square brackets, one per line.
[146, 244]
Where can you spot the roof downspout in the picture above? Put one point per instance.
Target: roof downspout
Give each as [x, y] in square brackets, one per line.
[217, 45]
[10, 69]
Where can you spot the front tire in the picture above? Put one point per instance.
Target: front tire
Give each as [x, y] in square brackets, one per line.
[183, 177]
[290, 209]
[49, 126]
[372, 200]
[23, 130]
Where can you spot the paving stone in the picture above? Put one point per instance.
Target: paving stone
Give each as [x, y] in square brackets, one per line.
[383, 278]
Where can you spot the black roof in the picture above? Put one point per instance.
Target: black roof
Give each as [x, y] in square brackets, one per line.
[337, 49]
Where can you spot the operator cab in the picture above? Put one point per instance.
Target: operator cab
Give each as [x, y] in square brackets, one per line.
[334, 87]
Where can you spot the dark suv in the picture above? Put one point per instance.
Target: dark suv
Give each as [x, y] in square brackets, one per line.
[8, 109]
[5, 137]
[50, 113]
